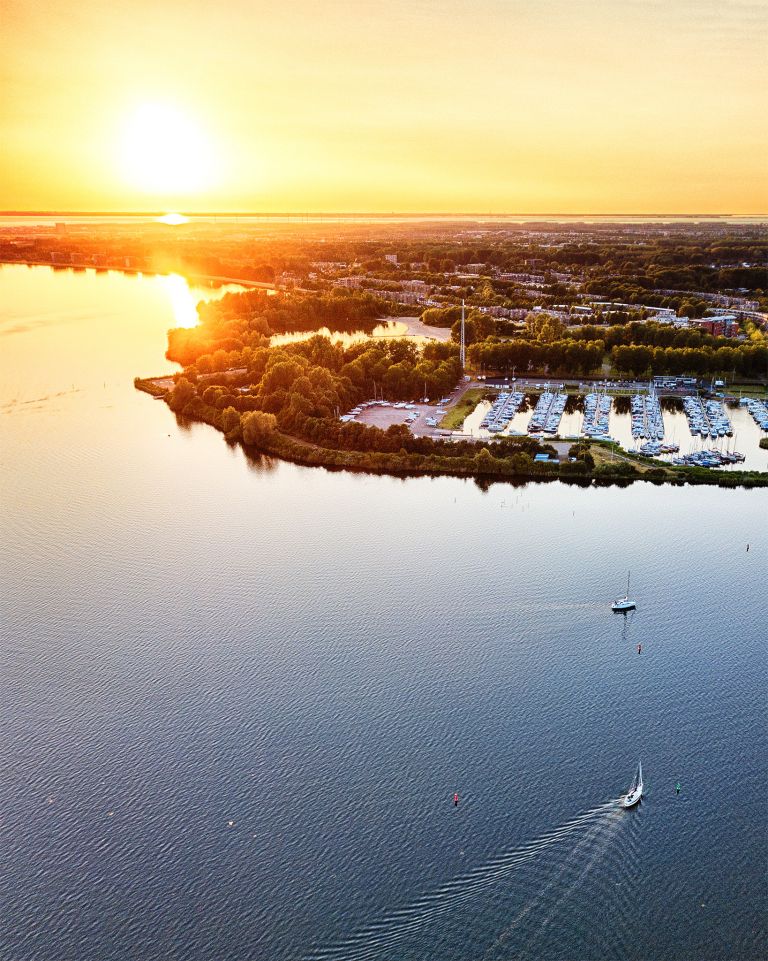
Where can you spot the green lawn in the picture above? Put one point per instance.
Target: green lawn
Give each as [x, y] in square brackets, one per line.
[455, 417]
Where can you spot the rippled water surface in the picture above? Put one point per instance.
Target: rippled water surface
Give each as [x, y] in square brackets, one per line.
[237, 696]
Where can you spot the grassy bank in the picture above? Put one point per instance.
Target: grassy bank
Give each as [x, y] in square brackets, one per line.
[455, 417]
[757, 391]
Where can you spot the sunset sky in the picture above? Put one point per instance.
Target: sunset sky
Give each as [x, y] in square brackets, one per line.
[524, 106]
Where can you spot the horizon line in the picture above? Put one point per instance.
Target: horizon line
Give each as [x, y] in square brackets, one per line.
[361, 213]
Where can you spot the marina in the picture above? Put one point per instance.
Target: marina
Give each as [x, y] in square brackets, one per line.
[643, 424]
[663, 418]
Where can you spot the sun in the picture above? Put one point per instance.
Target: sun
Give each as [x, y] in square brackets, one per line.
[164, 151]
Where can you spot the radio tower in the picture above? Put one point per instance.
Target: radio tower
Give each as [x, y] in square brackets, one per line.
[462, 349]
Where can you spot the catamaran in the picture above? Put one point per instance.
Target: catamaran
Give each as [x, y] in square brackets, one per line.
[623, 604]
[635, 791]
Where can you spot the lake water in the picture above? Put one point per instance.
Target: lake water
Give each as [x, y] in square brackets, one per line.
[238, 695]
[387, 329]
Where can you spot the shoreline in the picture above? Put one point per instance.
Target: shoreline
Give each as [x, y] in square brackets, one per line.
[483, 466]
[213, 279]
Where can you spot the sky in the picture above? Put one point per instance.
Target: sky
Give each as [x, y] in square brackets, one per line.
[491, 106]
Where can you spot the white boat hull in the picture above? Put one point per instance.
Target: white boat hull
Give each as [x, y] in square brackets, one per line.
[623, 606]
[632, 799]
[635, 792]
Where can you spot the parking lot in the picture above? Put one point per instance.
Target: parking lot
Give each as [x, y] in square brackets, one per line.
[422, 418]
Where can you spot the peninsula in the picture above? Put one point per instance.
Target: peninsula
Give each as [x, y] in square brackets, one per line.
[320, 371]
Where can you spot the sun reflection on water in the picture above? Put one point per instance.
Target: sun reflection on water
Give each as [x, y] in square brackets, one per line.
[173, 220]
[183, 303]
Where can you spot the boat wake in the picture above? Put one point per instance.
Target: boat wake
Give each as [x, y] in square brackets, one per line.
[496, 896]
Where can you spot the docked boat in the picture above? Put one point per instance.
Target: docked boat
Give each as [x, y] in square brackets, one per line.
[623, 604]
[635, 791]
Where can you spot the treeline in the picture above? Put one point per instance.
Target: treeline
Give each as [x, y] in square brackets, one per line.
[639, 360]
[560, 356]
[398, 438]
[244, 320]
[651, 333]
[544, 343]
[570, 357]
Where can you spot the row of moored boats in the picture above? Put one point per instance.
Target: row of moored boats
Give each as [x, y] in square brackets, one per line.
[707, 417]
[709, 458]
[647, 419]
[597, 409]
[502, 411]
[758, 409]
[652, 448]
[546, 417]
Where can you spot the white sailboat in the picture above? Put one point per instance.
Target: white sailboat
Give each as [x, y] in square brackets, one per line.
[623, 604]
[635, 791]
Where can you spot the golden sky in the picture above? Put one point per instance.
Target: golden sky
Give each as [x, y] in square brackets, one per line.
[524, 106]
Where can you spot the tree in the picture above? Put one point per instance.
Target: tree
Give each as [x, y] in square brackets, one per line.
[230, 419]
[181, 394]
[485, 462]
[257, 427]
[522, 463]
[544, 327]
